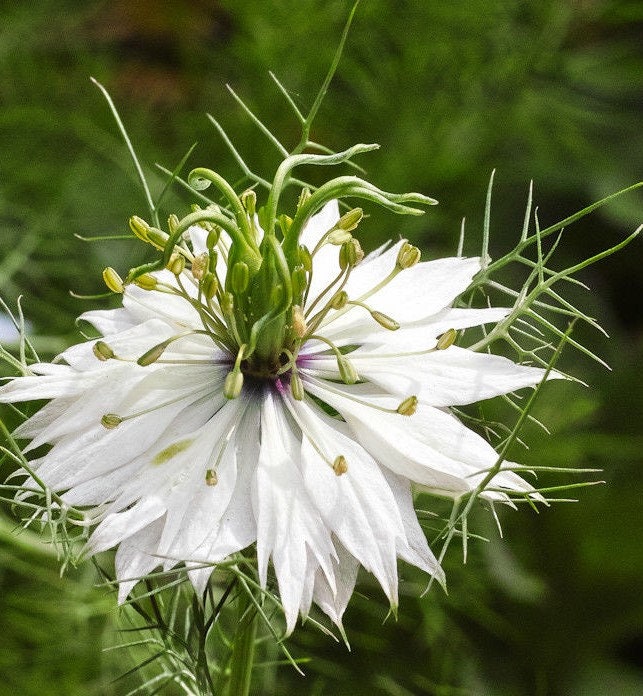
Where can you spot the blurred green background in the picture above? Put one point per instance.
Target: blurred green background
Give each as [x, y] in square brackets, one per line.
[545, 89]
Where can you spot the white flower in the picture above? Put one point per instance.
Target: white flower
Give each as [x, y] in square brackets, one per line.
[186, 442]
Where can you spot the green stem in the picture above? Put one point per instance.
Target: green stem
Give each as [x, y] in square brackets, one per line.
[243, 650]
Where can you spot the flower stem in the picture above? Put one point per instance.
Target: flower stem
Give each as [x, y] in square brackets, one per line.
[243, 650]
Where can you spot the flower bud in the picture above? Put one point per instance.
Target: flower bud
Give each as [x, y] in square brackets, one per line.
[340, 466]
[408, 256]
[408, 406]
[447, 339]
[113, 281]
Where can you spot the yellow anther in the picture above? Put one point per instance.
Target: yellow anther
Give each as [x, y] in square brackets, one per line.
[249, 201]
[447, 339]
[350, 254]
[346, 370]
[233, 384]
[139, 227]
[211, 478]
[408, 406]
[239, 277]
[338, 237]
[408, 256]
[145, 281]
[385, 321]
[296, 385]
[113, 281]
[209, 285]
[298, 321]
[339, 300]
[340, 466]
[110, 421]
[200, 265]
[350, 220]
[102, 351]
[176, 264]
[173, 223]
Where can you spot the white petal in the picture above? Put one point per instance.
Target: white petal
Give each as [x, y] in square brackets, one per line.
[334, 603]
[135, 557]
[287, 522]
[450, 377]
[118, 526]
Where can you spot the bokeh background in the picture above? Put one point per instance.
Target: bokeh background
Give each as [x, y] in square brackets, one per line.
[546, 90]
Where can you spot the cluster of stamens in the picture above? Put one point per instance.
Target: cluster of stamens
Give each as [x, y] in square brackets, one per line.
[250, 287]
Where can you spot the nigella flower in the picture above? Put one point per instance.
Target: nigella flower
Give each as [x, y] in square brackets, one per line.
[276, 389]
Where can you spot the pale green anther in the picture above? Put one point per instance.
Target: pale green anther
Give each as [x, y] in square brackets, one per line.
[227, 303]
[102, 351]
[385, 321]
[113, 281]
[176, 265]
[233, 384]
[239, 277]
[249, 201]
[153, 354]
[200, 265]
[447, 339]
[284, 222]
[209, 285]
[110, 421]
[211, 478]
[139, 227]
[350, 220]
[338, 237]
[296, 386]
[407, 256]
[213, 238]
[157, 238]
[304, 197]
[212, 262]
[172, 223]
[340, 465]
[339, 300]
[298, 321]
[408, 406]
[346, 370]
[146, 281]
[298, 280]
[350, 254]
[305, 258]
